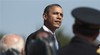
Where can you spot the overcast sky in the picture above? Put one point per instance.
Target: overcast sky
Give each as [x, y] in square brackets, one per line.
[25, 16]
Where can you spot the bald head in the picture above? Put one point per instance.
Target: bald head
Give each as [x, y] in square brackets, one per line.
[12, 41]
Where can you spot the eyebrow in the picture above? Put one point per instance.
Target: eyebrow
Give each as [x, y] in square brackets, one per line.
[58, 13]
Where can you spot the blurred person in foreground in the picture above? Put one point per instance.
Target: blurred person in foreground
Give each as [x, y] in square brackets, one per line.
[12, 44]
[42, 45]
[52, 16]
[86, 29]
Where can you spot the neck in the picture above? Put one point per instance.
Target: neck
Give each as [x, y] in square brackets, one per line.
[53, 29]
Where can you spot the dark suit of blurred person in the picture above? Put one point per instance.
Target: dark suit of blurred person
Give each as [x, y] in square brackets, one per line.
[43, 45]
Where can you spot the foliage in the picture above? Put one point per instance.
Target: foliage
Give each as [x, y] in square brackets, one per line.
[1, 35]
[62, 38]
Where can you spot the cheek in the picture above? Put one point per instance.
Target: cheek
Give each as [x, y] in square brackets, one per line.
[52, 20]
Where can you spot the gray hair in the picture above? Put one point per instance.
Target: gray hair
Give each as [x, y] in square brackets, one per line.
[17, 46]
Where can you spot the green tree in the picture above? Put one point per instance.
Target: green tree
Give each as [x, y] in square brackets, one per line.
[1, 35]
[62, 38]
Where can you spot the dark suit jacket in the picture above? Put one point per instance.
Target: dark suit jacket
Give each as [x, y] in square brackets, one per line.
[78, 47]
[31, 37]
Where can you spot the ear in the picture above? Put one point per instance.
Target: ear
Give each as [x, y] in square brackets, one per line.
[45, 16]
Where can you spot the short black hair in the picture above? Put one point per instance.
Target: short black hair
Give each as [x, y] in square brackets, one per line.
[46, 10]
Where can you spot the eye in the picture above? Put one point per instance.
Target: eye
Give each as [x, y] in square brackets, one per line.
[61, 15]
[55, 13]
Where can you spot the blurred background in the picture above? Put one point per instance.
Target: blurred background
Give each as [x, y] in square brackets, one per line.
[25, 16]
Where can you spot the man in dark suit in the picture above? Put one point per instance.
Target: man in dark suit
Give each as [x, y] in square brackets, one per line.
[52, 16]
[86, 29]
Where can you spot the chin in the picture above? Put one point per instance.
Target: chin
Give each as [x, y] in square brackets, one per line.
[57, 26]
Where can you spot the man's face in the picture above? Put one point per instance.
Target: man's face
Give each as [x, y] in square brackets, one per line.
[54, 17]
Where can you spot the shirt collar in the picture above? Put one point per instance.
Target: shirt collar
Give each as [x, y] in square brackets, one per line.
[47, 29]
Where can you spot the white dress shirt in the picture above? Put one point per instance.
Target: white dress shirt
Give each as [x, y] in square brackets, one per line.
[48, 30]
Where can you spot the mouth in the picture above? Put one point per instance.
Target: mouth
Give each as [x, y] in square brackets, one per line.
[58, 22]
